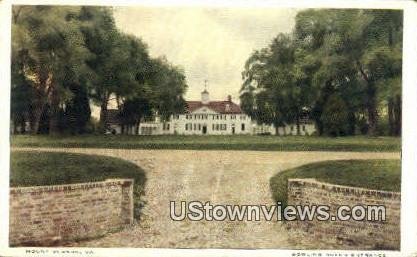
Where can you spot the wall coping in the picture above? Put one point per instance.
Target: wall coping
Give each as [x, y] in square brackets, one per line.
[70, 187]
[340, 188]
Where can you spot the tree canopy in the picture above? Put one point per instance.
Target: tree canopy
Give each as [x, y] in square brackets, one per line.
[332, 59]
[64, 58]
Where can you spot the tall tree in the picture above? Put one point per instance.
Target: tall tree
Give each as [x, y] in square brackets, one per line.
[43, 37]
[169, 85]
[345, 42]
[21, 94]
[274, 89]
[110, 56]
[76, 113]
[384, 61]
[337, 54]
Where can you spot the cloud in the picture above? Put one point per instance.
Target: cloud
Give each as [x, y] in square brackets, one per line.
[209, 43]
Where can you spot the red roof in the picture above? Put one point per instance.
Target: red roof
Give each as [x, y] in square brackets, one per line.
[223, 107]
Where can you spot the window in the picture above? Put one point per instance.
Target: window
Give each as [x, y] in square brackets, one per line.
[292, 128]
[217, 126]
[199, 126]
[304, 127]
[227, 107]
[195, 126]
[186, 126]
[243, 127]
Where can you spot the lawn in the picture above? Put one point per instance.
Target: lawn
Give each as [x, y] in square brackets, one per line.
[48, 168]
[232, 142]
[372, 174]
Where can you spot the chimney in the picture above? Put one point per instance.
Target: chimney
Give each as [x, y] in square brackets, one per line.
[229, 98]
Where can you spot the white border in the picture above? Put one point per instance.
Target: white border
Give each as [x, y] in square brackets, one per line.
[5, 48]
[409, 134]
[409, 139]
[374, 4]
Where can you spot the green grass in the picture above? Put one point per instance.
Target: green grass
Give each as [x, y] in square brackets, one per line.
[233, 142]
[48, 168]
[372, 174]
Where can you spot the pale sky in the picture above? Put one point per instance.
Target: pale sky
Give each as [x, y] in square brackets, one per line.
[207, 43]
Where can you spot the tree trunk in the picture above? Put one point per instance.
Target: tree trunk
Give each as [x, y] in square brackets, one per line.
[103, 114]
[15, 131]
[397, 115]
[137, 128]
[40, 100]
[37, 111]
[391, 118]
[54, 113]
[317, 112]
[23, 126]
[352, 122]
[298, 125]
[276, 130]
[319, 126]
[371, 107]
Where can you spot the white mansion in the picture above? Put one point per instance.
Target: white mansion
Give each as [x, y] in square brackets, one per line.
[207, 117]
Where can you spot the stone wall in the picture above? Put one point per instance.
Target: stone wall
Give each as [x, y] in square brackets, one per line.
[342, 234]
[50, 215]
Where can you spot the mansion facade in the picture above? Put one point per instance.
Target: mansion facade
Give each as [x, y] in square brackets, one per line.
[207, 117]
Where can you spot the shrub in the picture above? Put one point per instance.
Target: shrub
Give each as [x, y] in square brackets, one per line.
[335, 117]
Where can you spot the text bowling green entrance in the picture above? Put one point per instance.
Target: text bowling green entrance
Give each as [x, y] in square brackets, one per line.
[204, 129]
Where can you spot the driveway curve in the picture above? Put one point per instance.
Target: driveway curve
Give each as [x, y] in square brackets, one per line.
[221, 177]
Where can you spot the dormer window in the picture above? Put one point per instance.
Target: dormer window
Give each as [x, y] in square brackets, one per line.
[227, 109]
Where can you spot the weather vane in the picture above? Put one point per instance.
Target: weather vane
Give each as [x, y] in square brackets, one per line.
[205, 84]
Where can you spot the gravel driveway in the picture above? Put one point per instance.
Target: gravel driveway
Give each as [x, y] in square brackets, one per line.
[221, 177]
